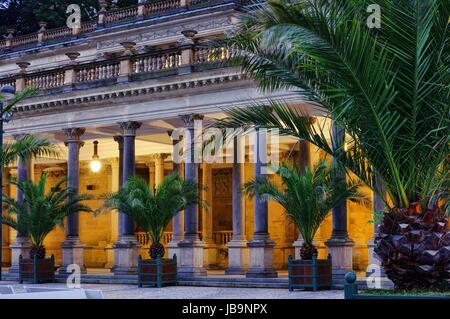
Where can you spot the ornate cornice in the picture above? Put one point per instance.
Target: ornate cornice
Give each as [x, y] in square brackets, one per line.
[114, 94]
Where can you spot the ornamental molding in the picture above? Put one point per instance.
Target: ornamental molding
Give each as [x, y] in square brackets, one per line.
[130, 92]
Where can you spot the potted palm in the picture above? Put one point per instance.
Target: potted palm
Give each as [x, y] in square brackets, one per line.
[393, 104]
[307, 200]
[36, 216]
[152, 211]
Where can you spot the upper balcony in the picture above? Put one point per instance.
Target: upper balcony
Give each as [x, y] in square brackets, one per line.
[155, 10]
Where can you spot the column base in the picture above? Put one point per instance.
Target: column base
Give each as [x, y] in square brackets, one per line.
[261, 259]
[22, 246]
[72, 253]
[238, 257]
[191, 258]
[341, 251]
[126, 254]
[173, 248]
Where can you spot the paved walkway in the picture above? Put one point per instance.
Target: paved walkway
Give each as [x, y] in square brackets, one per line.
[133, 292]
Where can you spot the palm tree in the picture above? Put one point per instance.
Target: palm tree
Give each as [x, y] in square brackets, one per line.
[41, 212]
[28, 146]
[307, 198]
[153, 210]
[388, 88]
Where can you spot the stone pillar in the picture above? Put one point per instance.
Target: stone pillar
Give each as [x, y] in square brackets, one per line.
[127, 247]
[116, 182]
[303, 160]
[261, 246]
[22, 245]
[238, 256]
[210, 251]
[191, 247]
[340, 246]
[178, 220]
[72, 248]
[187, 52]
[159, 167]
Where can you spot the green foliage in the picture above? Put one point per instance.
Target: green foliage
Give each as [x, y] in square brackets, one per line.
[153, 211]
[308, 198]
[41, 212]
[388, 87]
[28, 146]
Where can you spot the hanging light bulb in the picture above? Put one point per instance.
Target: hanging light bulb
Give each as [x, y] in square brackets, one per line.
[95, 164]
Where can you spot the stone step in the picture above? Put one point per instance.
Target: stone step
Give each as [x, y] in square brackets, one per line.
[233, 284]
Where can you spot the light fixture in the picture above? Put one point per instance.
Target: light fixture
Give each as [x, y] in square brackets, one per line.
[95, 164]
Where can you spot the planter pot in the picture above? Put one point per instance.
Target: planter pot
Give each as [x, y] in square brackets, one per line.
[36, 270]
[312, 274]
[157, 272]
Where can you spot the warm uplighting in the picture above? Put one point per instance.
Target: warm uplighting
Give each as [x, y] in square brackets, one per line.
[95, 164]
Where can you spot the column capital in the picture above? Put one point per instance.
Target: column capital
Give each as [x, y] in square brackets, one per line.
[129, 128]
[188, 119]
[74, 134]
[159, 156]
[118, 139]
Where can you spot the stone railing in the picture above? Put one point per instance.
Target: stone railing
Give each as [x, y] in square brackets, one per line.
[46, 80]
[11, 82]
[104, 19]
[58, 33]
[97, 72]
[144, 239]
[161, 6]
[210, 55]
[121, 14]
[119, 69]
[221, 238]
[156, 62]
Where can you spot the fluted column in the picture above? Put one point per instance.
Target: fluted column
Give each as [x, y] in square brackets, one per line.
[127, 247]
[191, 248]
[340, 246]
[178, 220]
[237, 247]
[261, 246]
[72, 247]
[22, 245]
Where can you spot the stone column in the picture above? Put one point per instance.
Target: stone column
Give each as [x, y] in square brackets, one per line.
[22, 245]
[127, 247]
[238, 256]
[261, 246]
[178, 220]
[340, 246]
[210, 251]
[303, 160]
[191, 248]
[159, 167]
[72, 248]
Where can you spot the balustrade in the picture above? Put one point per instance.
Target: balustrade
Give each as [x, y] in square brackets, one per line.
[156, 62]
[221, 238]
[144, 238]
[57, 33]
[209, 55]
[98, 72]
[121, 14]
[11, 82]
[161, 6]
[46, 81]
